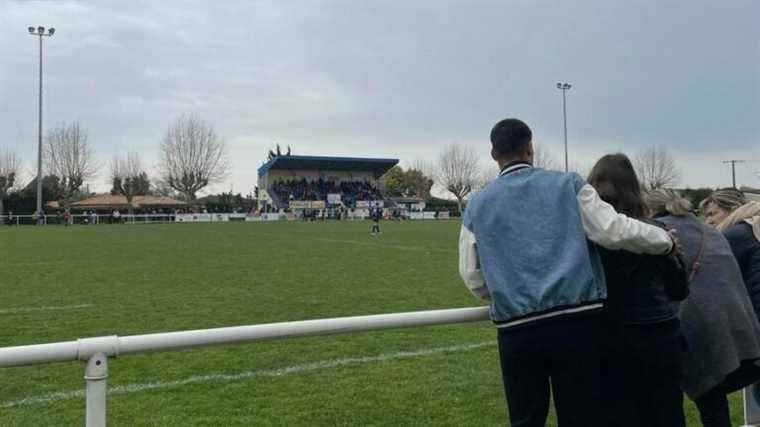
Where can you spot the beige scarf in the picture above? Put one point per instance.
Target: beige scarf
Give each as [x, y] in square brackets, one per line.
[749, 213]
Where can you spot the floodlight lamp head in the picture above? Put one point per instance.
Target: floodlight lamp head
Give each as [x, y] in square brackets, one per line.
[51, 31]
[41, 29]
[31, 30]
[559, 85]
[568, 86]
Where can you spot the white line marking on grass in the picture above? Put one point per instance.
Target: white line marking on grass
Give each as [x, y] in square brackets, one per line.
[43, 308]
[274, 372]
[373, 244]
[383, 245]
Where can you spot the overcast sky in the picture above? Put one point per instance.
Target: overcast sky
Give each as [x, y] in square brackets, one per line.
[395, 78]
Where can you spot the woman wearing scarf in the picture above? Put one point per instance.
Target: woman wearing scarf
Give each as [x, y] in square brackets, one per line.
[717, 319]
[729, 212]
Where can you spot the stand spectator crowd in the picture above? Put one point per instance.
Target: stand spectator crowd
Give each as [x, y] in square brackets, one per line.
[350, 191]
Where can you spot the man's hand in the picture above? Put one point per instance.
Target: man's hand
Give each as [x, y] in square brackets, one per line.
[677, 247]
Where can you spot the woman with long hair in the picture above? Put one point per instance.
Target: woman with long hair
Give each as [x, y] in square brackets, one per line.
[739, 220]
[717, 319]
[642, 363]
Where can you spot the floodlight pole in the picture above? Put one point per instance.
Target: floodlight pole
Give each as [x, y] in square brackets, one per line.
[40, 32]
[39, 140]
[564, 87]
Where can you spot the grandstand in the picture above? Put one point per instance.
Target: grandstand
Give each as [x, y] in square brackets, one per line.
[317, 182]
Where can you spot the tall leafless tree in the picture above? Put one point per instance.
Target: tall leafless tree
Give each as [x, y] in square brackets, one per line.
[10, 165]
[421, 174]
[192, 156]
[69, 156]
[542, 158]
[656, 168]
[458, 172]
[159, 187]
[129, 178]
[423, 165]
[489, 173]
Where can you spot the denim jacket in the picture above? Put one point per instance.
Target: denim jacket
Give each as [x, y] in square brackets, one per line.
[528, 245]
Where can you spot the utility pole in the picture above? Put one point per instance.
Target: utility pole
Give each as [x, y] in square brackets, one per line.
[733, 169]
[564, 87]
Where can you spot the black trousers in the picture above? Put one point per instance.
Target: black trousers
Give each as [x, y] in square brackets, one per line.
[713, 405]
[713, 409]
[641, 376]
[564, 352]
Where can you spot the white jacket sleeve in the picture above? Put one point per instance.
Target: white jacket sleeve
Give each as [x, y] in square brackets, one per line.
[612, 230]
[469, 267]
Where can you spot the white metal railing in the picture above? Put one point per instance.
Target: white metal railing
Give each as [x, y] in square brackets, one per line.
[96, 351]
[80, 219]
[751, 402]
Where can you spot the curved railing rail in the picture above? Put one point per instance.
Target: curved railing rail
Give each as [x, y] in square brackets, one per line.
[96, 351]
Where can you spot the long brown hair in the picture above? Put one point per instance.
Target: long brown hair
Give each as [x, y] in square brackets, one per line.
[615, 180]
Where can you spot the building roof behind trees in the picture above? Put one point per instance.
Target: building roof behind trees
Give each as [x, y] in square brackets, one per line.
[110, 201]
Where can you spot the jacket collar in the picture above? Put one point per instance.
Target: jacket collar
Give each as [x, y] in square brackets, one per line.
[514, 166]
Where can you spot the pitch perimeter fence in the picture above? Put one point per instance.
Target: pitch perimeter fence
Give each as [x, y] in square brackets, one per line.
[80, 219]
[95, 352]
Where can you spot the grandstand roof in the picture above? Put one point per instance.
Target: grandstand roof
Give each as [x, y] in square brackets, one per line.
[108, 201]
[376, 166]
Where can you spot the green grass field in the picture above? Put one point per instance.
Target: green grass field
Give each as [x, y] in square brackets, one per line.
[60, 284]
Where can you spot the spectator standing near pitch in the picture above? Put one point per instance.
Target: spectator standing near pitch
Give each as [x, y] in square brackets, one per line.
[642, 360]
[526, 247]
[717, 320]
[719, 205]
[739, 220]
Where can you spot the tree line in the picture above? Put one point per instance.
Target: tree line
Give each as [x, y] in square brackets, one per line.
[459, 172]
[192, 157]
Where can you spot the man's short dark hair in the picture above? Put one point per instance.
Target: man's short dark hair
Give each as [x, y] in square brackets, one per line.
[510, 137]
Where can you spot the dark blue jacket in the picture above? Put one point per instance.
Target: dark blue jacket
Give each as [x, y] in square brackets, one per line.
[640, 288]
[746, 249]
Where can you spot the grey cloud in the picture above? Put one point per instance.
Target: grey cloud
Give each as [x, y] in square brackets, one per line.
[392, 78]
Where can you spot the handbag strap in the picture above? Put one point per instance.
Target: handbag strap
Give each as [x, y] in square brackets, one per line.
[695, 267]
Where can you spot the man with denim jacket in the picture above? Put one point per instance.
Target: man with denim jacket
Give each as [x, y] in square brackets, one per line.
[528, 246]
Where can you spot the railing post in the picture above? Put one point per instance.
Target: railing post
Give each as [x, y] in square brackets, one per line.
[751, 406]
[95, 375]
